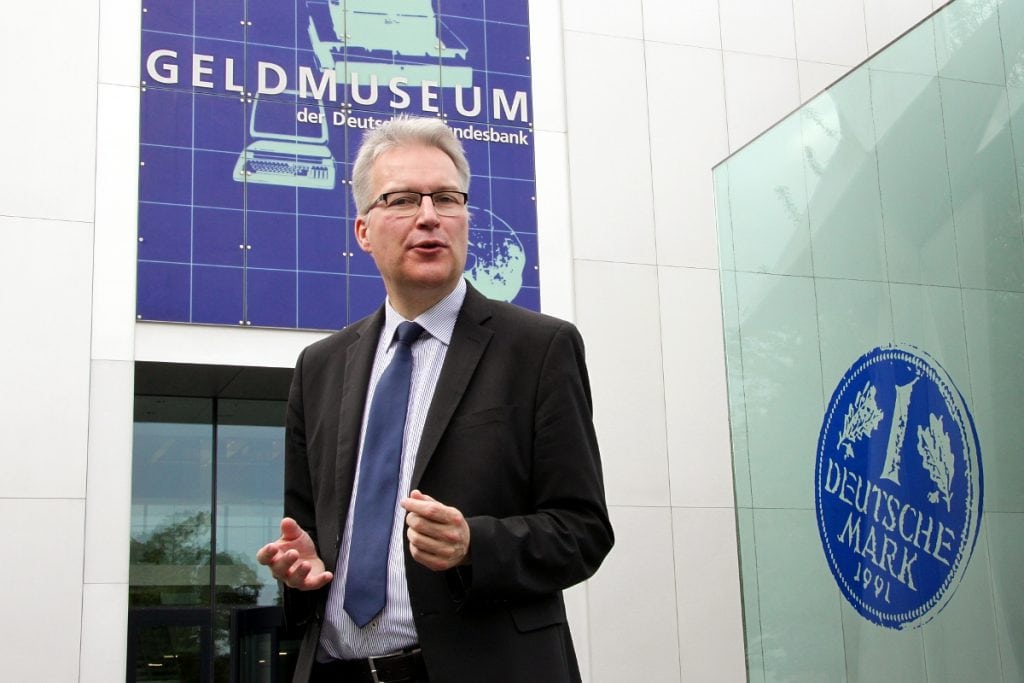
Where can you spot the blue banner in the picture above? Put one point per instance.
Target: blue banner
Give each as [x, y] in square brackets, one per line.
[251, 115]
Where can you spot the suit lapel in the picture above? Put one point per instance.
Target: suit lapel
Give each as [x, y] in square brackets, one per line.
[469, 339]
[358, 366]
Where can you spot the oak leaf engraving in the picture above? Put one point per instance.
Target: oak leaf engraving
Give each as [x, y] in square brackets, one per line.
[937, 456]
[861, 419]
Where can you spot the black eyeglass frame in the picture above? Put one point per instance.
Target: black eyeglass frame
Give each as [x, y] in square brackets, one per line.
[383, 199]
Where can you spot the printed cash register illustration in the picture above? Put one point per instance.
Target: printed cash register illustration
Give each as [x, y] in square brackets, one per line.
[285, 150]
[376, 41]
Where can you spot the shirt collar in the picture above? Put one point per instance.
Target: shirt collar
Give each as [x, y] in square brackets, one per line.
[438, 320]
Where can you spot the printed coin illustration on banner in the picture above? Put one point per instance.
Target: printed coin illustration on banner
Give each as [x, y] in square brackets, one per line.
[898, 486]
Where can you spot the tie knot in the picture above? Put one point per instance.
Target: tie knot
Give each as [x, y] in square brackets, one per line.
[408, 332]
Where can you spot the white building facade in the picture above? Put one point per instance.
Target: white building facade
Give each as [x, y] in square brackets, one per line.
[628, 240]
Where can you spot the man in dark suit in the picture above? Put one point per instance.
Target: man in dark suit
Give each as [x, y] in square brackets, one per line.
[500, 500]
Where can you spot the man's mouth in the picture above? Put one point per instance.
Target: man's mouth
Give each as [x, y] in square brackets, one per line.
[429, 245]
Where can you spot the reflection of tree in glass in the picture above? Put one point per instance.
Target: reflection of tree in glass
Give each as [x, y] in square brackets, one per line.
[172, 569]
[179, 554]
[172, 566]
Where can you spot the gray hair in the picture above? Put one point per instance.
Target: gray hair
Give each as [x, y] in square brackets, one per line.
[399, 131]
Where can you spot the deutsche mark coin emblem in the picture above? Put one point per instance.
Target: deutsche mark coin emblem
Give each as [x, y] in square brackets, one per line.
[898, 486]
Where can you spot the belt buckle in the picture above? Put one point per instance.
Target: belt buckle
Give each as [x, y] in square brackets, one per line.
[373, 671]
[372, 663]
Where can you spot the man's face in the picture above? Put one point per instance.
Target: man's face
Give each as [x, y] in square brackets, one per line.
[419, 256]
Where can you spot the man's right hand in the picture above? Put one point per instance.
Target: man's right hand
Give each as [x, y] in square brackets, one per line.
[293, 560]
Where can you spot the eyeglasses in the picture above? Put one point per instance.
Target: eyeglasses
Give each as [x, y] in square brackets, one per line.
[407, 202]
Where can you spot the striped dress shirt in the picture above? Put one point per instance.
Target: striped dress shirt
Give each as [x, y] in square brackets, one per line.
[393, 629]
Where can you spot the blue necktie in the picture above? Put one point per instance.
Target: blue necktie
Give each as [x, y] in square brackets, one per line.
[366, 585]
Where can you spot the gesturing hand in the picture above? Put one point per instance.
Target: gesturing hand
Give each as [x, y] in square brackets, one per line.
[438, 534]
[292, 559]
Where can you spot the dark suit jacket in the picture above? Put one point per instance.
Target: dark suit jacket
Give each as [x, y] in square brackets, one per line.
[509, 441]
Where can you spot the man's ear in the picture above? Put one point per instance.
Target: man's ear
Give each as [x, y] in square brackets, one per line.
[362, 231]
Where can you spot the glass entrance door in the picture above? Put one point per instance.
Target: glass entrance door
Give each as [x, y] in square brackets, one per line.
[207, 482]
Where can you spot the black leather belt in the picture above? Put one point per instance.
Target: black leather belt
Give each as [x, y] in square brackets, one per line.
[397, 668]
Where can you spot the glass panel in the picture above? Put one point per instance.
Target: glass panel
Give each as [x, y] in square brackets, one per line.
[1007, 552]
[769, 221]
[911, 155]
[250, 485]
[986, 203]
[171, 498]
[256, 658]
[169, 653]
[994, 322]
[968, 44]
[845, 217]
[872, 251]
[801, 634]
[1012, 14]
[186, 549]
[779, 348]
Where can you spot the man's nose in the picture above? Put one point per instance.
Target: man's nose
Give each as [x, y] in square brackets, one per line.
[426, 213]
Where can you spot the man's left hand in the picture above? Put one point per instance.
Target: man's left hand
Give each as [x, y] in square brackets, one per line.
[438, 534]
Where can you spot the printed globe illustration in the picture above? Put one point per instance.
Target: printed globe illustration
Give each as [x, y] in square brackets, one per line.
[496, 257]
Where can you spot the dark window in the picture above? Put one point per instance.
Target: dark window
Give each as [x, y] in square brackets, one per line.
[207, 481]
